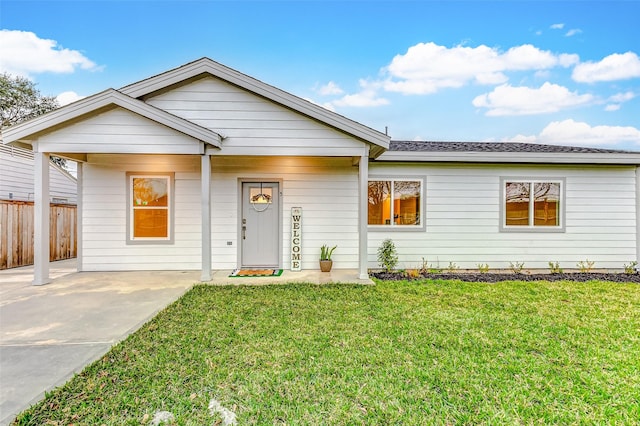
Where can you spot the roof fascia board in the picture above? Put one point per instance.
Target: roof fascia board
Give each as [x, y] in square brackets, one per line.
[102, 100]
[510, 157]
[208, 66]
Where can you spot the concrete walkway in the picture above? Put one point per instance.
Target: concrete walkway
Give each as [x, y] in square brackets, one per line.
[49, 333]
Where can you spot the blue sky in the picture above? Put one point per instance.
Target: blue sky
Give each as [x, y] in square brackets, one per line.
[533, 71]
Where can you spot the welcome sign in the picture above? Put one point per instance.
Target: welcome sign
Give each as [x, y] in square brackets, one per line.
[296, 238]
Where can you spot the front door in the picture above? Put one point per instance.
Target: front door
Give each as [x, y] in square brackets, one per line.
[260, 225]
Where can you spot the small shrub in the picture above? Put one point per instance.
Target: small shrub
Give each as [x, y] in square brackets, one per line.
[516, 267]
[630, 268]
[483, 268]
[387, 255]
[413, 273]
[555, 268]
[452, 267]
[435, 269]
[585, 265]
[424, 268]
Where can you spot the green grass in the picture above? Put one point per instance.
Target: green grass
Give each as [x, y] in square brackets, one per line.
[430, 352]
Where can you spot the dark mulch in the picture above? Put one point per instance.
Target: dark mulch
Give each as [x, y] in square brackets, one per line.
[494, 278]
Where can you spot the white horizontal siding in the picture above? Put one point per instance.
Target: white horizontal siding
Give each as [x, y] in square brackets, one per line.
[16, 177]
[104, 215]
[463, 218]
[326, 189]
[248, 121]
[118, 131]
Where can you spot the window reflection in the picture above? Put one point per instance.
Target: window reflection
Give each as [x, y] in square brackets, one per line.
[394, 202]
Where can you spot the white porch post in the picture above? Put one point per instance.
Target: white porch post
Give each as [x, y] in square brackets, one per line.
[205, 180]
[363, 175]
[41, 219]
[79, 214]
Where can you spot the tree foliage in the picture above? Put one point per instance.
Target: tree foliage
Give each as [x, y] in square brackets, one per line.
[21, 101]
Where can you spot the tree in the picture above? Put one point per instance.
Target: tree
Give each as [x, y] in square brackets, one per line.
[21, 101]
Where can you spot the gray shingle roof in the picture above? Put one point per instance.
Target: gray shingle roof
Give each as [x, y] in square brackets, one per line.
[428, 146]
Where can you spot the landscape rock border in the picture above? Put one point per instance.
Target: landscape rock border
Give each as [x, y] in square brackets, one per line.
[498, 277]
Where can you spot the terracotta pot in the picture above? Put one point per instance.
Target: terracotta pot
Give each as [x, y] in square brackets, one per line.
[325, 265]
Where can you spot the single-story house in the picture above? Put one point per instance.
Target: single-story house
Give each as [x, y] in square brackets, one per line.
[205, 168]
[17, 172]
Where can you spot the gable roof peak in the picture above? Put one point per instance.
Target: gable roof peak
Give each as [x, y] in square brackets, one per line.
[379, 141]
[99, 101]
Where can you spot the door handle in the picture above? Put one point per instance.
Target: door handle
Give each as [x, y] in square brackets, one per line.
[244, 232]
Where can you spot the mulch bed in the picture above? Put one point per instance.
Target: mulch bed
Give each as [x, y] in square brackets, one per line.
[493, 277]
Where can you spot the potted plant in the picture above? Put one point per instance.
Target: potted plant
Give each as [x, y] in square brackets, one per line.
[325, 258]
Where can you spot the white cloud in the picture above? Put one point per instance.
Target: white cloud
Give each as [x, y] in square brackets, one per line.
[574, 133]
[613, 67]
[427, 67]
[519, 138]
[573, 32]
[66, 98]
[509, 100]
[330, 88]
[24, 53]
[367, 97]
[622, 97]
[617, 99]
[557, 26]
[326, 105]
[570, 132]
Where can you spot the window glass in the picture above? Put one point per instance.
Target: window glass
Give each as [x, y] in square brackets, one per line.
[150, 207]
[517, 203]
[149, 223]
[379, 203]
[150, 192]
[394, 202]
[406, 201]
[532, 204]
[547, 204]
[260, 195]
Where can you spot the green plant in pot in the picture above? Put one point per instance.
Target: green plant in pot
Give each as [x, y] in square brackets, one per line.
[325, 258]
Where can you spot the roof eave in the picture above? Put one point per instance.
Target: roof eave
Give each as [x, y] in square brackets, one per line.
[511, 157]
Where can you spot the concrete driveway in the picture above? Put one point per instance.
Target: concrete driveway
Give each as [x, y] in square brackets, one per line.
[48, 333]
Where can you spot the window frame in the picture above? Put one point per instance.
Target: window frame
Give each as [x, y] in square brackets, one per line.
[131, 240]
[532, 227]
[423, 204]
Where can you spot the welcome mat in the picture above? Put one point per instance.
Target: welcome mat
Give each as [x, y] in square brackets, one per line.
[242, 273]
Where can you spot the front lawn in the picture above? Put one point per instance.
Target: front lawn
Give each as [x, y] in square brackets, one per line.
[421, 352]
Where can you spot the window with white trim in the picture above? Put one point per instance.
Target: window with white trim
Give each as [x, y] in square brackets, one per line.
[150, 207]
[529, 204]
[395, 202]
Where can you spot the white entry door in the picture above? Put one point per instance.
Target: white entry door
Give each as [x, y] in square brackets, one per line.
[260, 225]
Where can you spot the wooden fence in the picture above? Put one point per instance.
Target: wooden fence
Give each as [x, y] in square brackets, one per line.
[16, 233]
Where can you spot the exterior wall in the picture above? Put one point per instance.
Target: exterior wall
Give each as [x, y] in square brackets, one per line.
[104, 215]
[117, 131]
[16, 177]
[325, 188]
[463, 218]
[250, 123]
